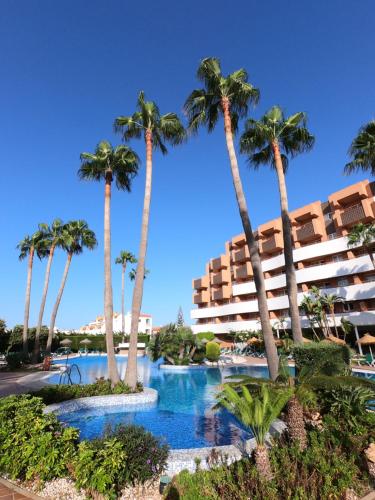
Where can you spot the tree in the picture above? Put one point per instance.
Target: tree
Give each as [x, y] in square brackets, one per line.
[133, 273]
[123, 259]
[256, 412]
[180, 318]
[270, 141]
[362, 150]
[156, 130]
[329, 300]
[108, 164]
[312, 307]
[27, 247]
[230, 96]
[52, 239]
[363, 235]
[76, 236]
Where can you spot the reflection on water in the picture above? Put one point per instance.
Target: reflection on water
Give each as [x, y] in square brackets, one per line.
[183, 416]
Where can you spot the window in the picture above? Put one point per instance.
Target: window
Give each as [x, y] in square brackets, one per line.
[343, 282]
[338, 258]
[329, 216]
[369, 278]
[348, 306]
[147, 321]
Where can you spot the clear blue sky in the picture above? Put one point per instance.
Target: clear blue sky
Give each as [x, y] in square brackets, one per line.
[69, 68]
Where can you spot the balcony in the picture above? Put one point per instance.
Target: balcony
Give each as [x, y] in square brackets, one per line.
[220, 277]
[243, 272]
[239, 241]
[360, 212]
[201, 283]
[309, 231]
[221, 293]
[221, 262]
[202, 297]
[272, 244]
[241, 255]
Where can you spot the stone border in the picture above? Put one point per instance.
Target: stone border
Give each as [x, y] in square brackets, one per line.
[148, 397]
[179, 460]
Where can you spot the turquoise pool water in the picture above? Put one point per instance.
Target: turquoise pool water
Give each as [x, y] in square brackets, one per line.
[183, 416]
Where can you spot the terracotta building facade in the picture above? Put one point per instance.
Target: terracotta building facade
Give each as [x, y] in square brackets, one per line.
[225, 298]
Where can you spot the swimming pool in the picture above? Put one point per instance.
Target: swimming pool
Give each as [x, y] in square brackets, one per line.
[183, 416]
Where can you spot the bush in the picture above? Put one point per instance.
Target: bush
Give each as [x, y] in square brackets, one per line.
[15, 359]
[323, 358]
[199, 356]
[58, 393]
[212, 351]
[33, 445]
[129, 455]
[97, 341]
[205, 336]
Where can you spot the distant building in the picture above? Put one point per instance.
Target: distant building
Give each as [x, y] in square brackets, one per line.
[98, 326]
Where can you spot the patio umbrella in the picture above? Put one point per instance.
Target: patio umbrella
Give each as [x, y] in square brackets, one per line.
[66, 342]
[369, 340]
[336, 340]
[85, 341]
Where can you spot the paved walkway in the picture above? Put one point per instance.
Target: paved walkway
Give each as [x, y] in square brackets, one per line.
[9, 491]
[9, 383]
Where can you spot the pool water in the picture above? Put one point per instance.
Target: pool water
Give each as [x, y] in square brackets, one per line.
[183, 417]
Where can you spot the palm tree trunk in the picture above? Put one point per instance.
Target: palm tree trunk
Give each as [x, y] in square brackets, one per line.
[296, 423]
[334, 320]
[108, 298]
[27, 303]
[369, 251]
[42, 306]
[131, 368]
[57, 304]
[262, 462]
[123, 301]
[291, 283]
[269, 341]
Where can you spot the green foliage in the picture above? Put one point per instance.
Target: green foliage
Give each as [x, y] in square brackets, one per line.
[15, 359]
[176, 345]
[362, 150]
[97, 341]
[127, 455]
[58, 393]
[322, 358]
[33, 445]
[255, 411]
[212, 351]
[323, 472]
[205, 336]
[13, 340]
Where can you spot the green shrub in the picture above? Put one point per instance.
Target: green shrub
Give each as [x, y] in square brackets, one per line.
[212, 351]
[33, 445]
[128, 455]
[205, 336]
[323, 358]
[58, 393]
[199, 356]
[15, 359]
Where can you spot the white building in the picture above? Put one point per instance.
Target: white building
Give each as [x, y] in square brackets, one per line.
[98, 326]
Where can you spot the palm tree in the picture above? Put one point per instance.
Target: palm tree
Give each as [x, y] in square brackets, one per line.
[313, 310]
[270, 141]
[27, 247]
[256, 412]
[156, 129]
[362, 150]
[123, 259]
[363, 235]
[230, 96]
[52, 239]
[75, 236]
[133, 273]
[108, 163]
[329, 300]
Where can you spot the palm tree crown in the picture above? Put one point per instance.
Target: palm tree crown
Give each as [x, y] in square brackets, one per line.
[290, 133]
[362, 150]
[34, 242]
[164, 128]
[125, 257]
[121, 163]
[204, 106]
[77, 236]
[362, 234]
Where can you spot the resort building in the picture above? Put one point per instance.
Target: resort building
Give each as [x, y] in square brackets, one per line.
[98, 326]
[225, 296]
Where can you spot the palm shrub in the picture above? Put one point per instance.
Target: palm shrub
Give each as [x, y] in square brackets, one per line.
[212, 351]
[362, 150]
[363, 235]
[324, 358]
[176, 345]
[256, 412]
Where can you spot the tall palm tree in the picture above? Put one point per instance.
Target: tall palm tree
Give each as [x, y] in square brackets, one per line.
[108, 164]
[75, 237]
[329, 300]
[258, 413]
[27, 247]
[363, 235]
[123, 259]
[230, 96]
[362, 150]
[52, 239]
[156, 129]
[270, 141]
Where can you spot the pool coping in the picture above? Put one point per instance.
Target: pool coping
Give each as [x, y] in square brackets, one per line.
[148, 397]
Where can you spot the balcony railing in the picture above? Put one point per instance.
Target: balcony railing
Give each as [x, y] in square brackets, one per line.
[243, 272]
[200, 283]
[220, 277]
[352, 214]
[241, 255]
[272, 244]
[221, 262]
[221, 293]
[200, 298]
[306, 231]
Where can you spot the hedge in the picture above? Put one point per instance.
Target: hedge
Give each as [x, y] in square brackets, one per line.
[325, 357]
[212, 351]
[97, 341]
